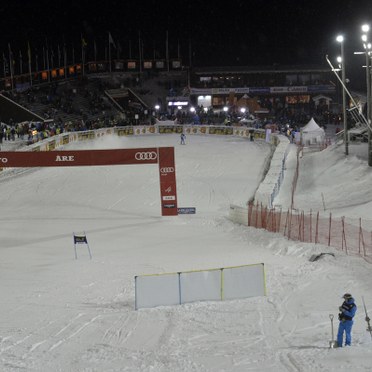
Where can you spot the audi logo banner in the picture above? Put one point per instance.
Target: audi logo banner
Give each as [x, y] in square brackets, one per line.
[146, 155]
[167, 174]
[165, 170]
[164, 156]
[79, 158]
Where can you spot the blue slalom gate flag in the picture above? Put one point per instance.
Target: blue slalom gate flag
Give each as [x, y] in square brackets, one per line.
[80, 239]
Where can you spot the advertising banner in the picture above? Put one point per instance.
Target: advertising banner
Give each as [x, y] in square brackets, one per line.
[223, 131]
[289, 89]
[83, 136]
[65, 140]
[164, 156]
[187, 210]
[51, 145]
[78, 158]
[169, 129]
[124, 131]
[144, 129]
[321, 88]
[167, 174]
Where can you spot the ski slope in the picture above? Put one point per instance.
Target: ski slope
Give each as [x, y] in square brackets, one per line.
[62, 314]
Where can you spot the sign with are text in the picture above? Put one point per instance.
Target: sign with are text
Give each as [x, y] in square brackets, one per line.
[78, 158]
[163, 156]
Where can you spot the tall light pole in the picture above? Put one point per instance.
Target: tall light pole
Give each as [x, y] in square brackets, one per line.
[367, 47]
[340, 39]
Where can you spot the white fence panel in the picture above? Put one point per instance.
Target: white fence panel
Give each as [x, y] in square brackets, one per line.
[204, 285]
[200, 286]
[157, 290]
[243, 282]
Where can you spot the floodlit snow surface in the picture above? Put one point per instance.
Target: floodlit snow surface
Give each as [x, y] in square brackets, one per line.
[62, 314]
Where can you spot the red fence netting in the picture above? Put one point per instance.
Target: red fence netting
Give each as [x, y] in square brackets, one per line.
[310, 227]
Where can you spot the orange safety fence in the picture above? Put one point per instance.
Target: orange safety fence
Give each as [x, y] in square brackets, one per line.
[310, 227]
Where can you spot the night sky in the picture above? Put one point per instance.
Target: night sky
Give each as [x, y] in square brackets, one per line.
[246, 32]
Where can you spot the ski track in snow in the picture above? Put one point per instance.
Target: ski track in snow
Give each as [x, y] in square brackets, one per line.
[61, 314]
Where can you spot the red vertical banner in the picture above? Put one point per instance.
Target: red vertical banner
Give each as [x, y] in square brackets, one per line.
[167, 174]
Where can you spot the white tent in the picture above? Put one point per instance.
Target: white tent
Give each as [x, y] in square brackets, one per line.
[312, 133]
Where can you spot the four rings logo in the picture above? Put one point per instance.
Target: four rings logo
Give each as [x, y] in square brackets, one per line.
[145, 155]
[3, 160]
[167, 170]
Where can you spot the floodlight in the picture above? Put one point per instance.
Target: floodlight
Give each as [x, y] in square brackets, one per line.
[365, 28]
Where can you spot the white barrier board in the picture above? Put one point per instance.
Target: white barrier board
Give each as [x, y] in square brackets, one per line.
[243, 282]
[200, 286]
[204, 285]
[157, 290]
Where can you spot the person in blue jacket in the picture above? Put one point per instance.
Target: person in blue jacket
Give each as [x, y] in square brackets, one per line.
[346, 315]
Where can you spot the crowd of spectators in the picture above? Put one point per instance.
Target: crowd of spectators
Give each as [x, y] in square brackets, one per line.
[61, 102]
[82, 105]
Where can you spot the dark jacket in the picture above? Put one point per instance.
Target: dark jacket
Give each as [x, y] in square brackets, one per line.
[348, 309]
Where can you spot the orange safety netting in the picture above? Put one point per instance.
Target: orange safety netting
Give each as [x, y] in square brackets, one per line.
[311, 228]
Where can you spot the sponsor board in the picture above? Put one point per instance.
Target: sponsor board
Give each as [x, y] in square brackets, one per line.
[222, 131]
[169, 197]
[169, 129]
[65, 140]
[84, 136]
[51, 145]
[169, 205]
[81, 158]
[167, 175]
[189, 210]
[125, 131]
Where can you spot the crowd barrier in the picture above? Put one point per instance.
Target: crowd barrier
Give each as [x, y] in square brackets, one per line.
[308, 227]
[202, 285]
[56, 141]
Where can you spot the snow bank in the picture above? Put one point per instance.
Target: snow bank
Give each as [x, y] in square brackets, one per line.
[270, 186]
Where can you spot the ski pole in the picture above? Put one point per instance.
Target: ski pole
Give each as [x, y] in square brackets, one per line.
[369, 329]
